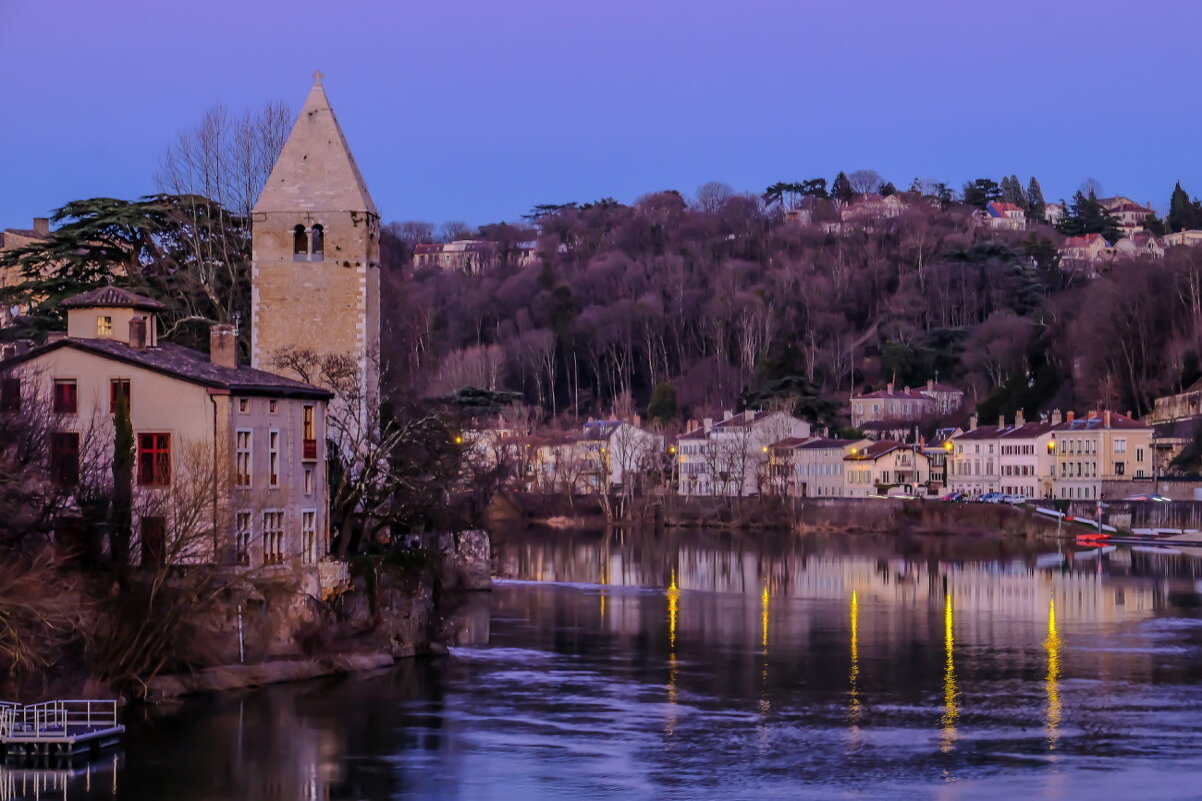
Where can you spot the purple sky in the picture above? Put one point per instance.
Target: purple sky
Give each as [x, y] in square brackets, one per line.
[478, 110]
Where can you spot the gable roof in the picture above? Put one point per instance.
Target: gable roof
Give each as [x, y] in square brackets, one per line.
[183, 363]
[112, 297]
[315, 170]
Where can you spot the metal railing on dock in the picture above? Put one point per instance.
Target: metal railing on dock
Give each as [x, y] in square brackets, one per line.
[57, 726]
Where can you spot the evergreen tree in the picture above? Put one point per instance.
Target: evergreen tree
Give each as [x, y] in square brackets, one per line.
[1036, 207]
[662, 407]
[1087, 216]
[841, 189]
[981, 192]
[888, 189]
[1184, 213]
[121, 519]
[1012, 192]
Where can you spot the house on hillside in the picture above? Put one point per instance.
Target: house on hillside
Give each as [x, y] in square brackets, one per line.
[1053, 213]
[1001, 216]
[1140, 244]
[870, 208]
[1099, 450]
[1188, 238]
[473, 256]
[229, 461]
[728, 457]
[617, 452]
[889, 411]
[1131, 217]
[1085, 253]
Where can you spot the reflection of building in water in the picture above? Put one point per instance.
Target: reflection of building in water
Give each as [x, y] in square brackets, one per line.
[985, 590]
[65, 778]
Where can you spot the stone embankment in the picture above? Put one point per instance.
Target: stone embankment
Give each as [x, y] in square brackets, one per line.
[391, 607]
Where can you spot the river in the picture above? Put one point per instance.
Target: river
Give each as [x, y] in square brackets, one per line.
[703, 666]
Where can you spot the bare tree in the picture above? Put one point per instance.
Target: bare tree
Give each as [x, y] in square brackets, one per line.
[865, 182]
[712, 195]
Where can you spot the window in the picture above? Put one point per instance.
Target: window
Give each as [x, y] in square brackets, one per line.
[318, 240]
[104, 326]
[10, 394]
[242, 456]
[273, 538]
[1139, 454]
[242, 538]
[154, 459]
[308, 480]
[272, 406]
[154, 541]
[66, 400]
[300, 242]
[1120, 468]
[309, 426]
[1120, 446]
[244, 405]
[273, 458]
[120, 385]
[64, 458]
[309, 536]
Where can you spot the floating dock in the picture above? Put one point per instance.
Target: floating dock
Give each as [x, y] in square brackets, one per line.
[57, 728]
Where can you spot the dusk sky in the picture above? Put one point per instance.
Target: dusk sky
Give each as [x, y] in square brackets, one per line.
[476, 111]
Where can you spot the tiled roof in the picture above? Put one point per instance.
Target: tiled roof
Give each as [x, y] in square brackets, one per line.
[910, 394]
[112, 296]
[1097, 420]
[823, 444]
[187, 364]
[876, 450]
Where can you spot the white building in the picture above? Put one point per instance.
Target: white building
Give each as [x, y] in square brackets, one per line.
[729, 457]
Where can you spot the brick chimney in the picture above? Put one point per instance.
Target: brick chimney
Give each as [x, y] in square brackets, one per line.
[1071, 415]
[1001, 421]
[223, 345]
[972, 423]
[1108, 418]
[41, 225]
[137, 332]
[889, 387]
[1019, 419]
[1056, 418]
[930, 385]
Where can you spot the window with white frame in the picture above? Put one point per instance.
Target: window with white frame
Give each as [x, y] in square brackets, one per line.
[309, 536]
[308, 480]
[242, 531]
[1120, 446]
[273, 538]
[273, 458]
[242, 457]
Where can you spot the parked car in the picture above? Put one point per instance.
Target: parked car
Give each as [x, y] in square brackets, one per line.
[991, 497]
[1014, 500]
[954, 496]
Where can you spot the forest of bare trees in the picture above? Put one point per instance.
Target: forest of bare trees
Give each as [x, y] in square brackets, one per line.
[726, 299]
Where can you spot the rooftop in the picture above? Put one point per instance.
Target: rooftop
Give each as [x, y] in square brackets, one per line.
[112, 297]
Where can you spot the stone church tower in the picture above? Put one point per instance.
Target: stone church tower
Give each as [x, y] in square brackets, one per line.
[316, 250]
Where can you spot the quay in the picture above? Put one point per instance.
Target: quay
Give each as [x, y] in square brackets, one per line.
[57, 728]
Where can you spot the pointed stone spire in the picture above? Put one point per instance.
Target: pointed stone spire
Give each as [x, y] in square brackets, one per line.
[315, 170]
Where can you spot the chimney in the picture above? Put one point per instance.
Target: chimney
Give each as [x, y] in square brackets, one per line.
[691, 425]
[1071, 415]
[972, 423]
[41, 225]
[930, 385]
[727, 414]
[1001, 421]
[749, 415]
[707, 424]
[637, 422]
[1108, 418]
[1056, 418]
[223, 345]
[889, 387]
[1019, 419]
[137, 332]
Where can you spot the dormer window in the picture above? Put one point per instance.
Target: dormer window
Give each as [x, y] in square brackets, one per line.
[104, 326]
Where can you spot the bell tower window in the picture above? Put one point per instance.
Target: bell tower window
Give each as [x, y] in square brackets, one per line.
[318, 243]
[300, 243]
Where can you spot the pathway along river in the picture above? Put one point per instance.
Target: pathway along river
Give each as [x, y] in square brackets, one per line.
[695, 666]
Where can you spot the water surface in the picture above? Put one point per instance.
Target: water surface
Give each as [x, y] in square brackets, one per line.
[695, 666]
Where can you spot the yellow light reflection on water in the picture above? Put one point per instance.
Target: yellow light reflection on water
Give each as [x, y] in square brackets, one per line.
[1052, 683]
[854, 708]
[947, 735]
[764, 618]
[604, 582]
[673, 608]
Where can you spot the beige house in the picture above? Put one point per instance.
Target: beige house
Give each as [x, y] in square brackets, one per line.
[473, 256]
[1100, 447]
[883, 466]
[904, 407]
[810, 468]
[1187, 238]
[229, 461]
[730, 457]
[1140, 243]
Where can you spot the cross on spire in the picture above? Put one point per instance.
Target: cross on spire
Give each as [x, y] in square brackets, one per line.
[317, 76]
